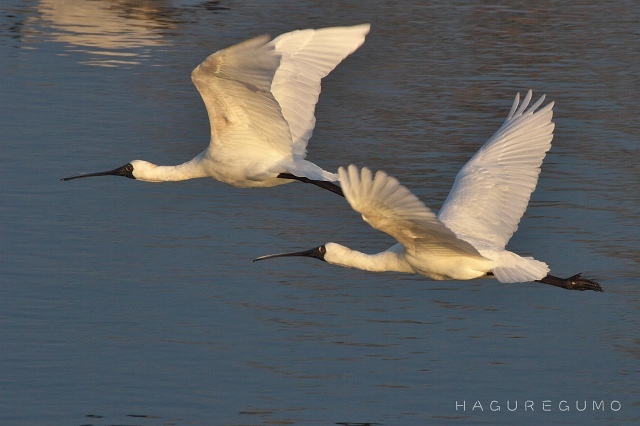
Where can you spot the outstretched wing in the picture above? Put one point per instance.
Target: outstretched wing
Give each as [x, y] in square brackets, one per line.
[307, 56]
[491, 191]
[235, 85]
[390, 207]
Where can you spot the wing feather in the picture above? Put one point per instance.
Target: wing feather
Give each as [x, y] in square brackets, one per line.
[307, 57]
[235, 85]
[491, 191]
[390, 207]
[269, 89]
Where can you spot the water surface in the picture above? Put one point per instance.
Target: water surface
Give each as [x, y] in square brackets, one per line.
[126, 302]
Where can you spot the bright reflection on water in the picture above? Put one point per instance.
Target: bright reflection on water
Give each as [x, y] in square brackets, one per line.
[125, 302]
[111, 33]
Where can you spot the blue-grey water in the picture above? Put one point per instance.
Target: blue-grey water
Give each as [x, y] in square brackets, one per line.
[130, 303]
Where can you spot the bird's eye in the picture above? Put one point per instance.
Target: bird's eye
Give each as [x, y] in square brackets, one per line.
[322, 250]
[129, 168]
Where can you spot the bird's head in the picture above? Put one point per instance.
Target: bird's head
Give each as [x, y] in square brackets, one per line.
[330, 252]
[136, 169]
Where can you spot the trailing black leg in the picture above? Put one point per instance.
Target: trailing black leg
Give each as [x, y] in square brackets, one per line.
[330, 186]
[575, 282]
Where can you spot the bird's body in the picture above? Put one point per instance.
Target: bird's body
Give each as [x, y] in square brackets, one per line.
[399, 259]
[467, 238]
[260, 97]
[427, 246]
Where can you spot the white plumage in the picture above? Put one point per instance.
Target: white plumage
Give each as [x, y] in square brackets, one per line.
[260, 96]
[467, 238]
[491, 191]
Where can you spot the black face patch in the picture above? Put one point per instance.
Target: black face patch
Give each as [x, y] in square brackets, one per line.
[318, 252]
[126, 171]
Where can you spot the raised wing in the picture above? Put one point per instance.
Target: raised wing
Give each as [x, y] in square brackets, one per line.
[307, 56]
[492, 190]
[391, 208]
[235, 85]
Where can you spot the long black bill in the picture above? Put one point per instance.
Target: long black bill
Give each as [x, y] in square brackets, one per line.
[126, 171]
[317, 252]
[329, 186]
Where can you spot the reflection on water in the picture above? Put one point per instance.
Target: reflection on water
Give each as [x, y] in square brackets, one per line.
[111, 32]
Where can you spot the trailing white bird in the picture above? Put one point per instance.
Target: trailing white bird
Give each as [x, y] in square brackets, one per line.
[260, 96]
[467, 238]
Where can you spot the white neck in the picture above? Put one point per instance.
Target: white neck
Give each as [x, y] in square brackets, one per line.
[143, 170]
[389, 260]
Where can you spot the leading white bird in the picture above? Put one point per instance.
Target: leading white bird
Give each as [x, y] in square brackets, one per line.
[467, 238]
[260, 96]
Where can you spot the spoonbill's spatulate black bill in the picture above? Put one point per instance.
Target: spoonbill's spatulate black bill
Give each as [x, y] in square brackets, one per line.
[126, 171]
[316, 253]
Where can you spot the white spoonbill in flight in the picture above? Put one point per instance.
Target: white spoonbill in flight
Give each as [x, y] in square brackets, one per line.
[467, 238]
[260, 96]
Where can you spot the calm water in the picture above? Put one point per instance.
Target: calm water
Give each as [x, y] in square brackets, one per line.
[131, 303]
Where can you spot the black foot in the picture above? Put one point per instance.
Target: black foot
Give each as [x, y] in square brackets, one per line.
[329, 186]
[575, 282]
